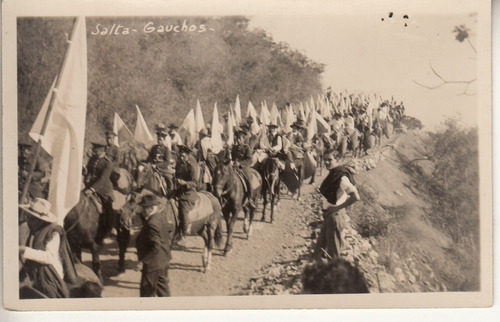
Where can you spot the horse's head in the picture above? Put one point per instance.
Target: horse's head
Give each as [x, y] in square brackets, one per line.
[221, 177]
[143, 173]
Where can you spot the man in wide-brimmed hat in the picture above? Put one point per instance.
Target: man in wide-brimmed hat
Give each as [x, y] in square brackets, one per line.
[241, 154]
[340, 191]
[153, 248]
[187, 174]
[275, 139]
[98, 181]
[47, 257]
[173, 139]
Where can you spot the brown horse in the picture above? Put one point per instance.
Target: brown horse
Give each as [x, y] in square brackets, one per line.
[271, 181]
[230, 187]
[205, 218]
[82, 225]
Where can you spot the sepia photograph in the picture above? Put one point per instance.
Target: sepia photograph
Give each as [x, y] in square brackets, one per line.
[247, 157]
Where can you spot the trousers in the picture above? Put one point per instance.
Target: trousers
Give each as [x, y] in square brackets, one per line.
[329, 238]
[154, 283]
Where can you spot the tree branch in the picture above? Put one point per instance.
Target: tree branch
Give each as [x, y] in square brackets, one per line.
[445, 81]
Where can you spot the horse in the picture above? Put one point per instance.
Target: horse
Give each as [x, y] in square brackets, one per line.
[296, 171]
[271, 181]
[82, 225]
[205, 218]
[230, 186]
[147, 176]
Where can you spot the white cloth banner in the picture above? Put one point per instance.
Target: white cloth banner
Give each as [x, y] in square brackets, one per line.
[142, 133]
[65, 132]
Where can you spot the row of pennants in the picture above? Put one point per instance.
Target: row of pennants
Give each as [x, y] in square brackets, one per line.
[314, 115]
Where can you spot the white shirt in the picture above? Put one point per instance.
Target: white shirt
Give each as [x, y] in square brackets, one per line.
[345, 188]
[49, 256]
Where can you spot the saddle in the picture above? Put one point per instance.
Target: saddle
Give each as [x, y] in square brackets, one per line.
[96, 200]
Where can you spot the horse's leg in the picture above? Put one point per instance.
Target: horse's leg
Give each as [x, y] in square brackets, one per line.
[300, 181]
[264, 200]
[123, 239]
[251, 212]
[229, 243]
[96, 263]
[209, 244]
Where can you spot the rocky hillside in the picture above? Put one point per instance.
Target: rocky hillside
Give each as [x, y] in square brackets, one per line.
[388, 235]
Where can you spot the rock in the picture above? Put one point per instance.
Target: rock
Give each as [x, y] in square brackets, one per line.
[386, 282]
[400, 276]
[412, 279]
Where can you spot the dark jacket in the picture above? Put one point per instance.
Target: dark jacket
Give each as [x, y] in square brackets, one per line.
[98, 176]
[189, 172]
[242, 154]
[44, 277]
[331, 184]
[113, 153]
[159, 154]
[155, 241]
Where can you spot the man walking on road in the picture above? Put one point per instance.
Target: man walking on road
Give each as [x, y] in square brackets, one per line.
[153, 248]
[338, 188]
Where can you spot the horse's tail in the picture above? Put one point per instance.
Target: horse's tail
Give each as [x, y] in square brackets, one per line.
[218, 234]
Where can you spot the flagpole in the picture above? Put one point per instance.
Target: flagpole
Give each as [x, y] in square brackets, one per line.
[46, 119]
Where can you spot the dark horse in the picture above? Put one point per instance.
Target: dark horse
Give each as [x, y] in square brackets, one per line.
[206, 214]
[82, 224]
[270, 172]
[230, 186]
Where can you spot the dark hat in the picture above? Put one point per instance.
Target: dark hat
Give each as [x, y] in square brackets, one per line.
[24, 145]
[273, 124]
[149, 200]
[250, 119]
[161, 130]
[240, 132]
[110, 133]
[97, 145]
[204, 132]
[299, 124]
[184, 148]
[172, 126]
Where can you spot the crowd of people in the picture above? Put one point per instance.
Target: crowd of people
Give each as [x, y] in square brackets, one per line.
[354, 122]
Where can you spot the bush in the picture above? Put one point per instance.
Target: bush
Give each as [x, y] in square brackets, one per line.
[412, 123]
[455, 181]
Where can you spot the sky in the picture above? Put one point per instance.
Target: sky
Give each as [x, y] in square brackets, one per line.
[364, 53]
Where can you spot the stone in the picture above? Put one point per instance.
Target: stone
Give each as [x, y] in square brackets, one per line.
[386, 282]
[412, 279]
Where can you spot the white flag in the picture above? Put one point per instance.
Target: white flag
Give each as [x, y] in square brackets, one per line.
[142, 133]
[230, 129]
[216, 132]
[123, 134]
[65, 132]
[189, 125]
[198, 118]
[237, 110]
[265, 116]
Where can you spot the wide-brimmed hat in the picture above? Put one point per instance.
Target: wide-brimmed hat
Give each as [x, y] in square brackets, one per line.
[299, 124]
[40, 208]
[273, 124]
[184, 148]
[111, 133]
[172, 126]
[149, 200]
[240, 132]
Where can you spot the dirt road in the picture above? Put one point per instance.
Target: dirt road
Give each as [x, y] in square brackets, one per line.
[230, 274]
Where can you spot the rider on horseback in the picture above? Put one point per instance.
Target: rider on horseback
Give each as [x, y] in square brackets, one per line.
[160, 156]
[187, 173]
[97, 181]
[296, 150]
[241, 155]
